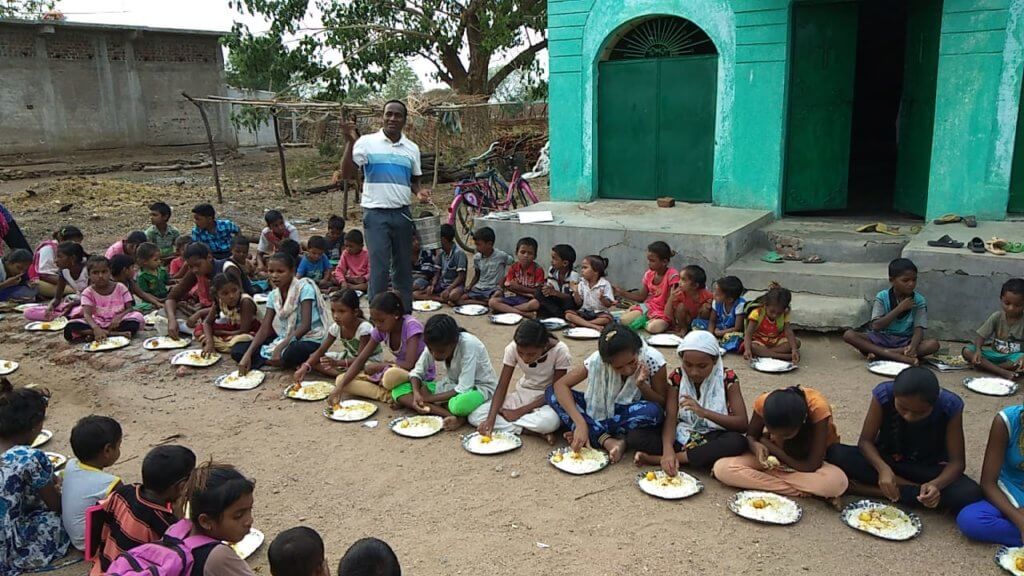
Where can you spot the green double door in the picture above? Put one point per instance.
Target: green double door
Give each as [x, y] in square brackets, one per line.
[821, 101]
[656, 128]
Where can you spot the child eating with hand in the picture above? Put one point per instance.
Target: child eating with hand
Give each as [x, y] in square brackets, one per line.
[14, 285]
[1004, 331]
[233, 318]
[106, 307]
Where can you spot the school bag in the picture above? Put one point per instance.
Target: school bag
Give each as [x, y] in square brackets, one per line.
[174, 555]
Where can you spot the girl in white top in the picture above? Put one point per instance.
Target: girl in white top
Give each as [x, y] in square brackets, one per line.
[594, 295]
[352, 329]
[469, 378]
[542, 360]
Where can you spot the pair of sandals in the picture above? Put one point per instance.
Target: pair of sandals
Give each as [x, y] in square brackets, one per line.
[970, 221]
[774, 257]
[996, 246]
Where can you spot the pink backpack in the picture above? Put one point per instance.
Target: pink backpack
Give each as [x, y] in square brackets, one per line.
[33, 269]
[172, 556]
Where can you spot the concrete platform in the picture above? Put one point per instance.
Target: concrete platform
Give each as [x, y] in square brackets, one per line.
[825, 313]
[835, 239]
[962, 287]
[620, 230]
[861, 280]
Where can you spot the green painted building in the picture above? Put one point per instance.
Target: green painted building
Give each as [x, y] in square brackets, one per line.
[793, 106]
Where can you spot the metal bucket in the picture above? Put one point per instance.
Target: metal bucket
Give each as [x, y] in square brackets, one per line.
[429, 230]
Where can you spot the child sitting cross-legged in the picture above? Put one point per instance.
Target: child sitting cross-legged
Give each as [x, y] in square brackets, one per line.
[335, 239]
[353, 270]
[369, 557]
[691, 300]
[14, 285]
[353, 331]
[653, 314]
[106, 307]
[489, 267]
[137, 514]
[233, 318]
[152, 277]
[469, 378]
[297, 551]
[898, 320]
[998, 518]
[626, 388]
[314, 264]
[451, 265]
[96, 442]
[522, 281]
[594, 295]
[769, 332]
[424, 268]
[542, 359]
[30, 524]
[72, 274]
[728, 314]
[556, 297]
[1003, 357]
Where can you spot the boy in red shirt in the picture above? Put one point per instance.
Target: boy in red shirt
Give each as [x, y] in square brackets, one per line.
[691, 300]
[523, 280]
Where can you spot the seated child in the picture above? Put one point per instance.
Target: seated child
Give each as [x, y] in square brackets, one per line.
[911, 448]
[73, 275]
[215, 233]
[152, 278]
[998, 518]
[335, 239]
[523, 280]
[489, 267]
[44, 271]
[178, 267]
[353, 270]
[106, 307]
[790, 431]
[424, 265]
[354, 332]
[626, 389]
[705, 415]
[451, 264]
[242, 265]
[276, 230]
[898, 320]
[542, 359]
[96, 442]
[658, 282]
[140, 513]
[1005, 329]
[127, 245]
[769, 332]
[369, 557]
[220, 510]
[594, 295]
[556, 295]
[291, 248]
[469, 378]
[33, 536]
[160, 232]
[297, 551]
[314, 264]
[123, 270]
[233, 318]
[14, 286]
[728, 314]
[691, 300]
[401, 334]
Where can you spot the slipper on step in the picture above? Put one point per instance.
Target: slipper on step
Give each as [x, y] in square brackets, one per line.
[815, 259]
[880, 228]
[945, 242]
[1014, 247]
[992, 248]
[971, 221]
[791, 255]
[771, 257]
[977, 245]
[948, 219]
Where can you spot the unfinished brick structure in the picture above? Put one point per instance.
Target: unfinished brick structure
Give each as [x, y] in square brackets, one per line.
[74, 86]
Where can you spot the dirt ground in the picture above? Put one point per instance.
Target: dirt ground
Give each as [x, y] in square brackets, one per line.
[443, 510]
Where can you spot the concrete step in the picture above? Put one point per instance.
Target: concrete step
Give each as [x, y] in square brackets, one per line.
[833, 245]
[842, 279]
[825, 313]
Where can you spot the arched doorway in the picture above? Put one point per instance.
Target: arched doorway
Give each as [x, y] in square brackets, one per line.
[657, 99]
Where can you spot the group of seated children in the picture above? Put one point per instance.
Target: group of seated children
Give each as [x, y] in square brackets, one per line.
[121, 526]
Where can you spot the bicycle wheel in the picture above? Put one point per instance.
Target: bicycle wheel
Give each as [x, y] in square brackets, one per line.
[463, 216]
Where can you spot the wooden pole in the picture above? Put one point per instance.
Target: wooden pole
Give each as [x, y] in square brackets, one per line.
[280, 154]
[213, 149]
[437, 150]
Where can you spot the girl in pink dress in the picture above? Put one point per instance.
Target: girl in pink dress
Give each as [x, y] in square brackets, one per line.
[106, 307]
[658, 282]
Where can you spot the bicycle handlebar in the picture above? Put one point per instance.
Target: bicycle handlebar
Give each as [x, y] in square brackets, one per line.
[485, 155]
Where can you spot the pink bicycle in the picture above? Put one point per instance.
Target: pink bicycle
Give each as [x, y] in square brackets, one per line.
[487, 192]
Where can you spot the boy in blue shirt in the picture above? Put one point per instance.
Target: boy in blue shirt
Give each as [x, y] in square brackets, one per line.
[898, 320]
[314, 264]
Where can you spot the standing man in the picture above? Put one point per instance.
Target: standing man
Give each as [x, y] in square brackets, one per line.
[391, 175]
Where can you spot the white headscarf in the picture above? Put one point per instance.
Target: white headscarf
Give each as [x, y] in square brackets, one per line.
[606, 388]
[712, 396]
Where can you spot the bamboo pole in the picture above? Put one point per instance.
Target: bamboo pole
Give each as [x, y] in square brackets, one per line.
[213, 149]
[280, 154]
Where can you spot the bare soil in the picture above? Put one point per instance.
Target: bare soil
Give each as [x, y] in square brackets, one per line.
[443, 510]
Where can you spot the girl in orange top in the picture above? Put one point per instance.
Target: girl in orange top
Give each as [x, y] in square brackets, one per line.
[769, 333]
[788, 435]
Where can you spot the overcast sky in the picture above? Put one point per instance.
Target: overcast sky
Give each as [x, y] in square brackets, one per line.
[192, 14]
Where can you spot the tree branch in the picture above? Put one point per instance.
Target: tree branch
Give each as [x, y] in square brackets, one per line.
[521, 60]
[442, 74]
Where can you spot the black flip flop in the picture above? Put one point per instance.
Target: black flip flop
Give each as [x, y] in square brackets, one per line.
[971, 221]
[977, 245]
[947, 242]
